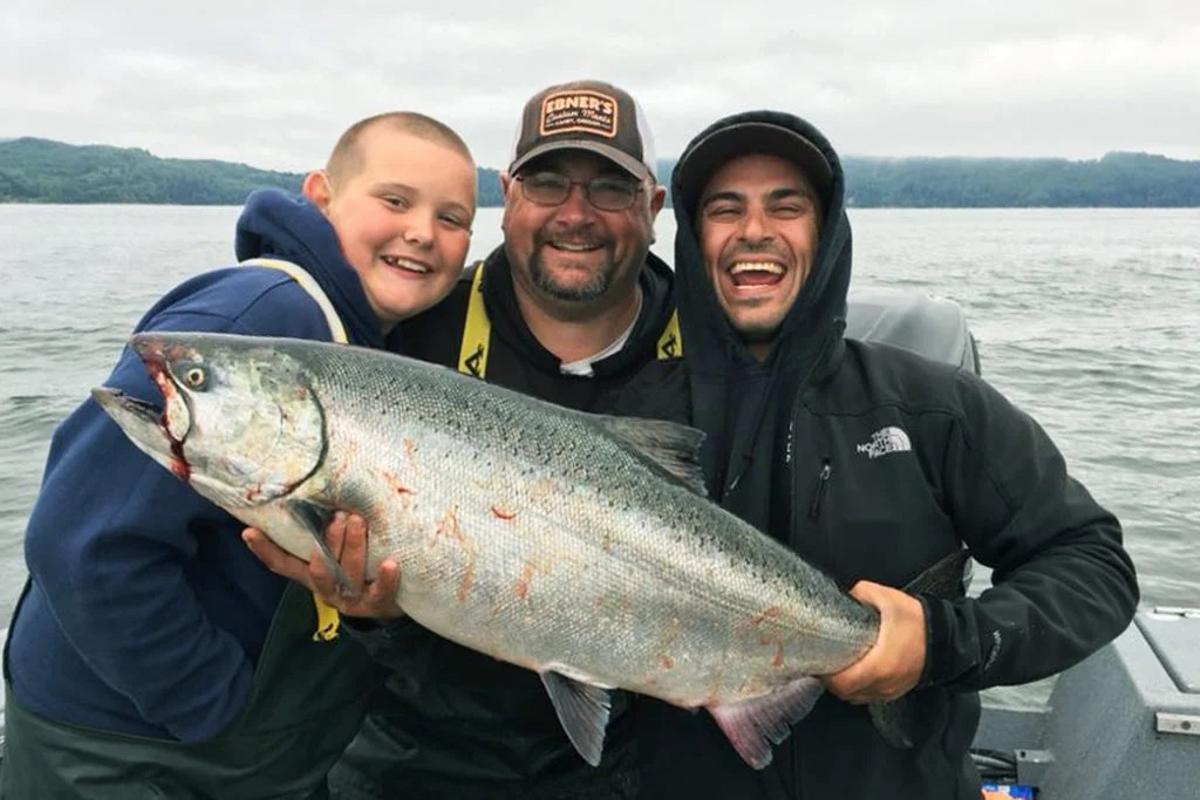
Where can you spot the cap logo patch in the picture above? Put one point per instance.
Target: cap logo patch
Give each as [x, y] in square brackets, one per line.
[579, 112]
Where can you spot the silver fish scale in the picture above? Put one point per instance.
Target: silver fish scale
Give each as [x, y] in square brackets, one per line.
[525, 531]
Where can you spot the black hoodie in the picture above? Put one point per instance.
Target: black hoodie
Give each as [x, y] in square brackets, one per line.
[873, 463]
[742, 404]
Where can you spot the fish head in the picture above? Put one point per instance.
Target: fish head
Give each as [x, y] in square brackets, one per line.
[240, 421]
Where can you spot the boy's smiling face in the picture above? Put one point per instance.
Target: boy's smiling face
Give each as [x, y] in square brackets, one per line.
[403, 218]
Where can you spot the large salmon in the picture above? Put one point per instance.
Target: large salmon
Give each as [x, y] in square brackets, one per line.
[578, 546]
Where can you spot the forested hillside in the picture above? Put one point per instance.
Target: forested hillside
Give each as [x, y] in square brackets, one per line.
[1117, 180]
[44, 171]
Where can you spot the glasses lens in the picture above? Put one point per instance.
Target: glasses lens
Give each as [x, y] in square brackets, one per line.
[552, 189]
[545, 188]
[611, 194]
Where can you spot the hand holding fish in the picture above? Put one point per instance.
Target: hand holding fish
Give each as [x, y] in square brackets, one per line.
[346, 538]
[892, 667]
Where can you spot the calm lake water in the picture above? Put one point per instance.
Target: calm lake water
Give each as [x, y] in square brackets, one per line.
[1088, 319]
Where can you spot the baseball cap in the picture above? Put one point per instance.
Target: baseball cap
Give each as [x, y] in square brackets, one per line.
[586, 115]
[706, 156]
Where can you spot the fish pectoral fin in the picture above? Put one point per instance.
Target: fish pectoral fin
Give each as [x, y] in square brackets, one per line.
[674, 447]
[753, 726]
[315, 518]
[583, 711]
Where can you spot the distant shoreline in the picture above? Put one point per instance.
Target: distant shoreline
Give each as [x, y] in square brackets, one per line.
[48, 172]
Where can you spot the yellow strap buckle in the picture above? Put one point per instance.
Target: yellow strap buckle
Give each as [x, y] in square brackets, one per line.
[328, 621]
[670, 341]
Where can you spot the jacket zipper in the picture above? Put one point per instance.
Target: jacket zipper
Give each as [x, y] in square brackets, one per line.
[814, 508]
[797, 403]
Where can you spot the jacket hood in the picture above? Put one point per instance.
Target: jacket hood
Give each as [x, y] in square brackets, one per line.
[288, 226]
[737, 400]
[821, 304]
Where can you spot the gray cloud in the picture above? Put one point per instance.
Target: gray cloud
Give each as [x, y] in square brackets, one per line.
[274, 85]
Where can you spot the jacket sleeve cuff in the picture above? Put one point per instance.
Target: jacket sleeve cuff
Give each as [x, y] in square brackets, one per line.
[948, 651]
[927, 668]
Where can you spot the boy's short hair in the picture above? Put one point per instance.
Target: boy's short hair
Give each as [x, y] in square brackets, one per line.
[346, 158]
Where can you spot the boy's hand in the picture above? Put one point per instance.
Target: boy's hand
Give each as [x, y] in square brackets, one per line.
[893, 665]
[346, 538]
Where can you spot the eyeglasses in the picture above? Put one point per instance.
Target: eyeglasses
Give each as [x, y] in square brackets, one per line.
[605, 193]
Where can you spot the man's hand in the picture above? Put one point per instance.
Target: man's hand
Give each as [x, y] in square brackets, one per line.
[893, 665]
[346, 537]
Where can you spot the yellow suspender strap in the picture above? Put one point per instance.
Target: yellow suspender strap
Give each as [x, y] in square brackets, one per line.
[670, 342]
[477, 331]
[328, 620]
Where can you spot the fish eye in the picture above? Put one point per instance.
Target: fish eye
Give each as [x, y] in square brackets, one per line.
[195, 377]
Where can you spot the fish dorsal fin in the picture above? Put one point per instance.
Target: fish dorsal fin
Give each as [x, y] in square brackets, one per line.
[752, 726]
[674, 447]
[583, 711]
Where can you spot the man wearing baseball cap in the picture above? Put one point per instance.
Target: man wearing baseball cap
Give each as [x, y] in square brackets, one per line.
[873, 464]
[573, 309]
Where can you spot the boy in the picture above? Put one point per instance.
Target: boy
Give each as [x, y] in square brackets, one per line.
[151, 654]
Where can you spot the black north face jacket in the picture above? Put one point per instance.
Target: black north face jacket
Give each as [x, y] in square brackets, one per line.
[873, 463]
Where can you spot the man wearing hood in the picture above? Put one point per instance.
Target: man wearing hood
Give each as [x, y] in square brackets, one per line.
[872, 463]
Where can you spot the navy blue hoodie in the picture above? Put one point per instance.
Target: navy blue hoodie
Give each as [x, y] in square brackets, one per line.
[146, 613]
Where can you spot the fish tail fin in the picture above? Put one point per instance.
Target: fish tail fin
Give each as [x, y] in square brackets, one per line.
[947, 577]
[893, 721]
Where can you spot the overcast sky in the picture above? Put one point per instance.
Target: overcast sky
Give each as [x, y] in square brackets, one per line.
[274, 84]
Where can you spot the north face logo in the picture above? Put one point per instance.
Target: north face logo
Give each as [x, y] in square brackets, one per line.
[886, 440]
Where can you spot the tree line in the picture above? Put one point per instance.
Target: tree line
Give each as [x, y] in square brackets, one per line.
[43, 171]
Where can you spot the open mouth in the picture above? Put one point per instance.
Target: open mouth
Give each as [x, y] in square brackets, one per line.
[406, 264]
[144, 422]
[751, 274]
[146, 412]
